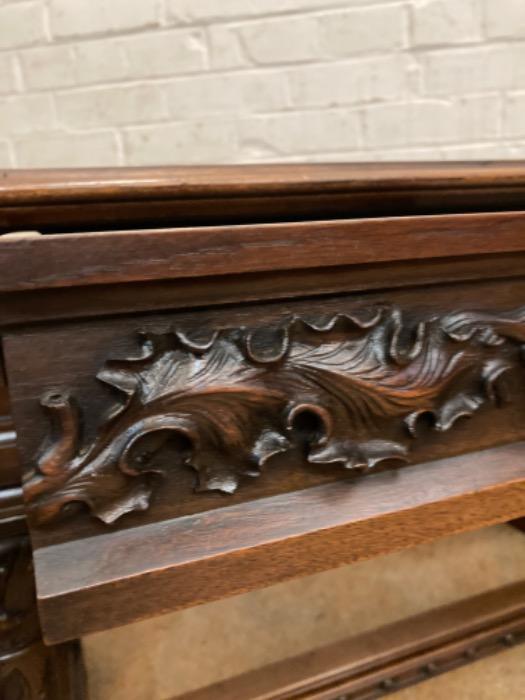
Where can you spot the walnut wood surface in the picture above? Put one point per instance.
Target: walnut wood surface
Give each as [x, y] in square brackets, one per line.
[92, 345]
[339, 388]
[10, 473]
[115, 578]
[321, 240]
[106, 300]
[75, 199]
[75, 259]
[390, 658]
[28, 669]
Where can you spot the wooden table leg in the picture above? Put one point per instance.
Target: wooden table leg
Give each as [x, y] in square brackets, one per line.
[29, 670]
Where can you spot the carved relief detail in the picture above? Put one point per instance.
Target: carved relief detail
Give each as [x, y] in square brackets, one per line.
[346, 390]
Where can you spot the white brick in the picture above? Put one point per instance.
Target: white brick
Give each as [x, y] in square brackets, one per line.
[184, 11]
[351, 82]
[80, 17]
[66, 65]
[111, 106]
[192, 81]
[281, 40]
[445, 22]
[5, 155]
[241, 92]
[225, 49]
[301, 132]
[476, 151]
[410, 153]
[7, 75]
[208, 141]
[357, 31]
[157, 54]
[517, 65]
[514, 117]
[99, 61]
[505, 18]
[48, 67]
[22, 24]
[457, 72]
[26, 113]
[75, 150]
[431, 122]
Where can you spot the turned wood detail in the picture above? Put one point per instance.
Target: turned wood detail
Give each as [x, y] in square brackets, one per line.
[347, 390]
[28, 669]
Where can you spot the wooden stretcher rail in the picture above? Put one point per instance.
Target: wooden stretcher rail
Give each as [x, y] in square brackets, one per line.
[195, 559]
[390, 658]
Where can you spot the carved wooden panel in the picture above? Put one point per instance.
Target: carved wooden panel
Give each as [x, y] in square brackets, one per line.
[347, 389]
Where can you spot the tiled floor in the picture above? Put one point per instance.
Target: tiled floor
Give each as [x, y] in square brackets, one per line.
[160, 658]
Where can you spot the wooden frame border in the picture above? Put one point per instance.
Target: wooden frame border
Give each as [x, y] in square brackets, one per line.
[70, 260]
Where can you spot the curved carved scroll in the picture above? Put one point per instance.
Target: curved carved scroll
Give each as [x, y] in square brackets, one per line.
[348, 390]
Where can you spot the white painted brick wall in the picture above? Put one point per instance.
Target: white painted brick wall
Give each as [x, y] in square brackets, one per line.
[115, 82]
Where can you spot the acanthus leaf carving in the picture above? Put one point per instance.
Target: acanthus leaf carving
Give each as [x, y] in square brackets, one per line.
[342, 388]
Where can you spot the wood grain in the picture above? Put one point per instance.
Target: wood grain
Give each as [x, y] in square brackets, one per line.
[432, 238]
[137, 297]
[349, 389]
[90, 344]
[115, 578]
[73, 259]
[10, 472]
[83, 199]
[28, 669]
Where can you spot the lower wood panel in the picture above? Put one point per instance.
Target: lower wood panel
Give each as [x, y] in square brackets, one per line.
[112, 579]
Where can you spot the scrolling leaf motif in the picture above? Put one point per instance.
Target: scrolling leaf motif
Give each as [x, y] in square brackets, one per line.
[347, 390]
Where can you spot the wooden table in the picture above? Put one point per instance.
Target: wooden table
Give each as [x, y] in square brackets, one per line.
[218, 378]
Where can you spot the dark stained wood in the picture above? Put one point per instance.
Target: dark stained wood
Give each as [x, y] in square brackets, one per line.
[146, 183]
[108, 300]
[126, 575]
[340, 388]
[28, 669]
[92, 345]
[390, 658]
[245, 249]
[74, 199]
[10, 472]
[519, 524]
[71, 260]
